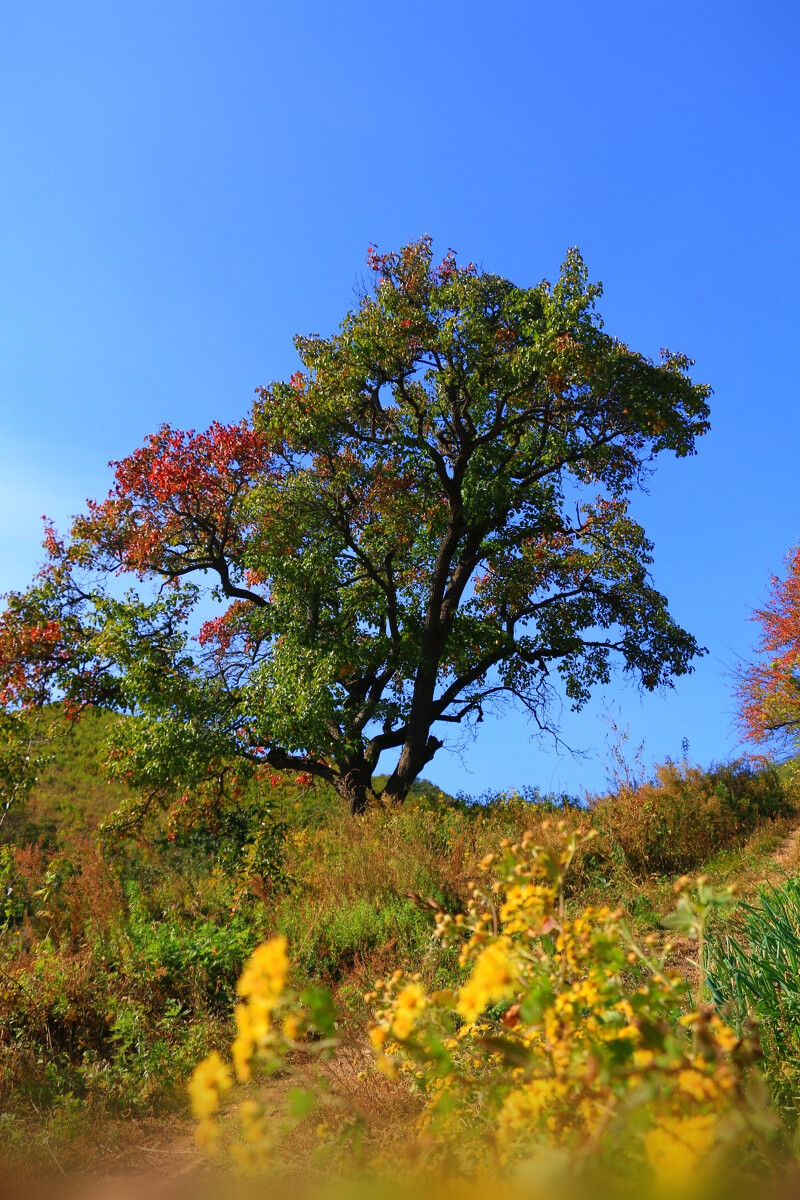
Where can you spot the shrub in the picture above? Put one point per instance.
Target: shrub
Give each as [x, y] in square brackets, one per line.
[340, 937]
[110, 987]
[679, 819]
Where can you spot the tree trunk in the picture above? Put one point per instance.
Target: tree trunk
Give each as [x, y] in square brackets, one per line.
[355, 786]
[413, 758]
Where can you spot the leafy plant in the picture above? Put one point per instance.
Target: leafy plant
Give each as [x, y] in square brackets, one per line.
[569, 1053]
[754, 970]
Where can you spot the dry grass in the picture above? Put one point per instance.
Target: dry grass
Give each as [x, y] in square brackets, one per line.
[361, 904]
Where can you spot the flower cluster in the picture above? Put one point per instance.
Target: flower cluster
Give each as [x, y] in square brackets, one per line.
[566, 1038]
[274, 1026]
[261, 987]
[568, 1047]
[211, 1079]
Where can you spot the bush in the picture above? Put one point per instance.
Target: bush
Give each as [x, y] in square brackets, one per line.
[568, 1053]
[678, 820]
[342, 937]
[111, 985]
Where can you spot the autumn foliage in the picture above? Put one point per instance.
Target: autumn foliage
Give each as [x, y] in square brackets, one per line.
[173, 507]
[430, 515]
[769, 688]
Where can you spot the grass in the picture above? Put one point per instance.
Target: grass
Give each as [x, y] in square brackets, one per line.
[71, 797]
[754, 967]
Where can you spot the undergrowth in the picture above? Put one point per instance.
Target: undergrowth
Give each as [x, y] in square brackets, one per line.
[119, 952]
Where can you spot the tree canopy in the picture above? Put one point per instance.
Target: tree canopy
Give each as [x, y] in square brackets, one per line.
[431, 515]
[769, 687]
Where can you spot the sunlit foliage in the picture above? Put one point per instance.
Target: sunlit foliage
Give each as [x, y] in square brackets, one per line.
[430, 516]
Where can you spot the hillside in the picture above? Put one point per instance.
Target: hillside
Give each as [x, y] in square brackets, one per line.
[119, 956]
[73, 796]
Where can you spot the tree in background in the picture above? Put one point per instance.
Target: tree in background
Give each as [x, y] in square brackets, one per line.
[429, 516]
[769, 689]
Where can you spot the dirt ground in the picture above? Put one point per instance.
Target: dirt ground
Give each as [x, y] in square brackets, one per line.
[158, 1160]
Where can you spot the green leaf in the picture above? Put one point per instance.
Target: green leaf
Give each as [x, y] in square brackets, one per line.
[299, 1102]
[321, 1009]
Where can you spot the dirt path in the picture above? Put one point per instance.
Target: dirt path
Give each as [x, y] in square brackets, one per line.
[161, 1161]
[152, 1159]
[787, 856]
[147, 1171]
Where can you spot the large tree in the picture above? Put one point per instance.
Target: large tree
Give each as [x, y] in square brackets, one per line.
[429, 516]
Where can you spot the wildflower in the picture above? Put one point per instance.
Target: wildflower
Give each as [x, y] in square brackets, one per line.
[387, 1066]
[244, 1044]
[211, 1077]
[493, 979]
[247, 1159]
[210, 1080]
[206, 1135]
[261, 986]
[525, 907]
[523, 1107]
[292, 1027]
[677, 1146]
[697, 1085]
[264, 976]
[377, 1036]
[725, 1036]
[409, 1003]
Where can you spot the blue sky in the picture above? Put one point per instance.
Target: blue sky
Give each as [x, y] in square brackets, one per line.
[185, 186]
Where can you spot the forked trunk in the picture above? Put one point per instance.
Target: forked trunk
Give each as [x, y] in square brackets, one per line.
[355, 786]
[354, 783]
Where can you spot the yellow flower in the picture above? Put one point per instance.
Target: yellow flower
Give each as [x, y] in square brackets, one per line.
[264, 975]
[525, 907]
[210, 1078]
[377, 1036]
[699, 1086]
[292, 1027]
[493, 979]
[409, 1003]
[243, 1047]
[386, 1066]
[247, 1159]
[522, 1108]
[726, 1037]
[250, 1111]
[206, 1135]
[261, 986]
[677, 1146]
